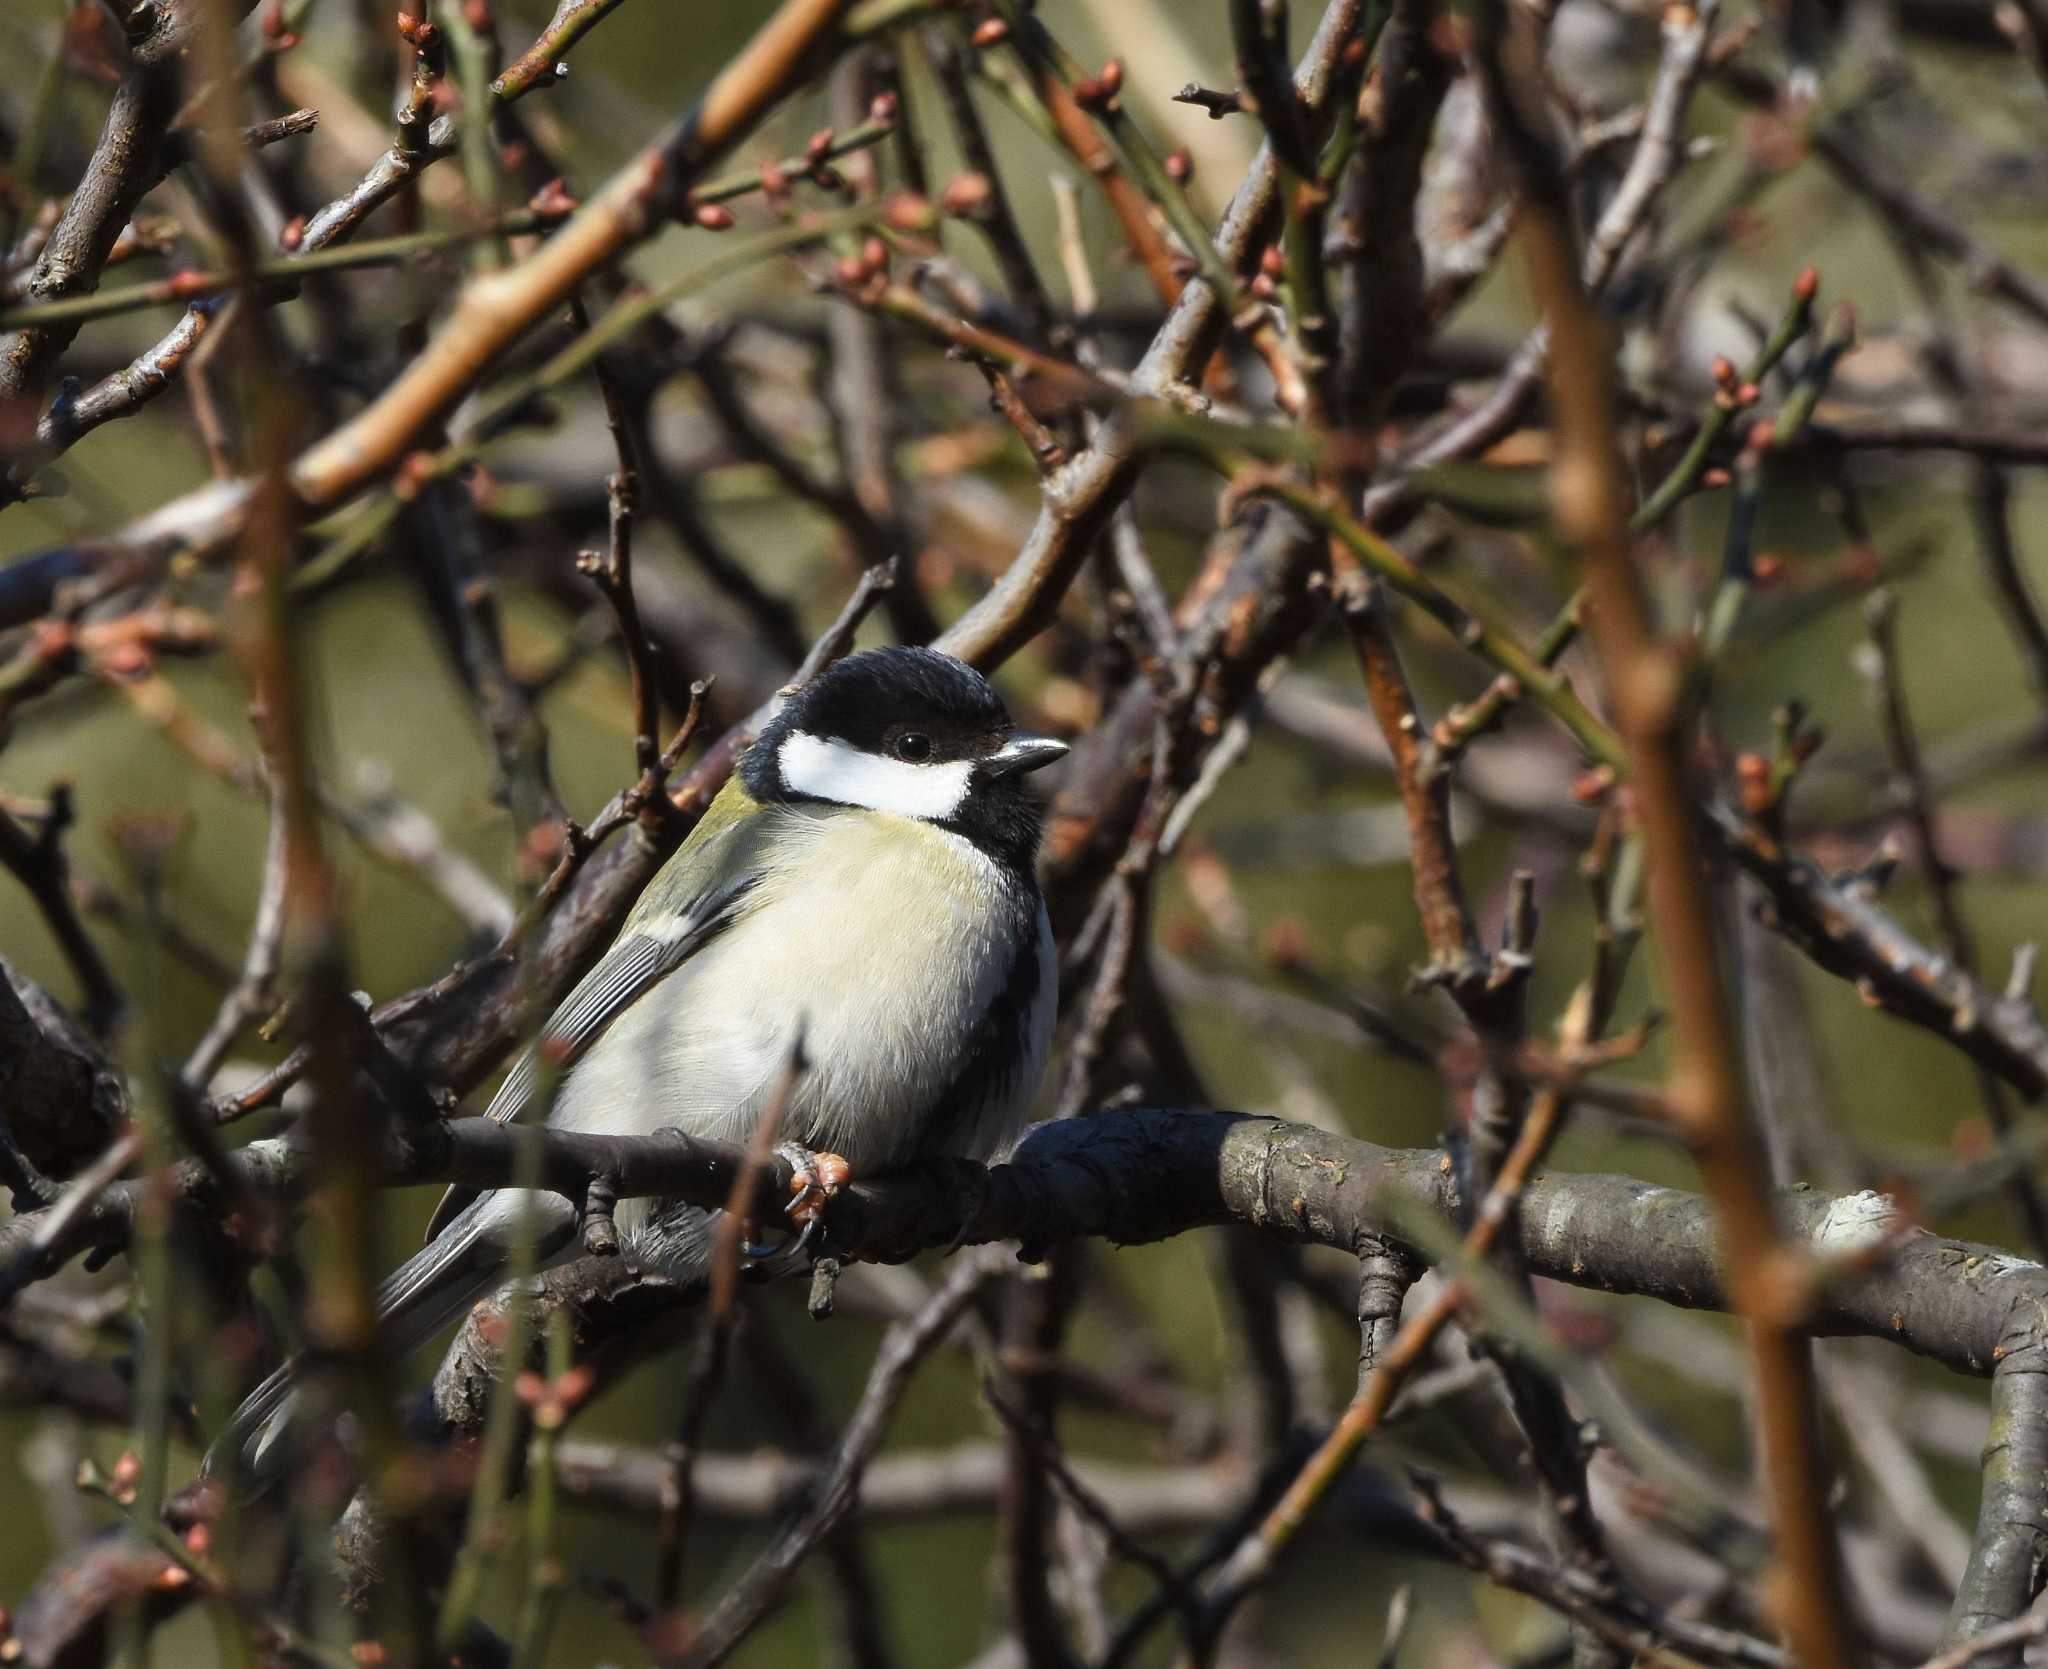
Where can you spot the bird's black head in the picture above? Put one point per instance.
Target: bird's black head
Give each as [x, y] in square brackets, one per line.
[912, 732]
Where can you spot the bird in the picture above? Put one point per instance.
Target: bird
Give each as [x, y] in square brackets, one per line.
[861, 891]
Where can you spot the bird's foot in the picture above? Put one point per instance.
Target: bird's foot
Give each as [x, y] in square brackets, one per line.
[759, 1262]
[814, 1179]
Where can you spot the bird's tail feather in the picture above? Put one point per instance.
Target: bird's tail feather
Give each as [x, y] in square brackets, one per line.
[419, 1298]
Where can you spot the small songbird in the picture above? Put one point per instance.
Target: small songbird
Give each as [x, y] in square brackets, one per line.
[862, 887]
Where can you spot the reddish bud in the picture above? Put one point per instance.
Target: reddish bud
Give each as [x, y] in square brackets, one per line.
[186, 283]
[127, 1471]
[1748, 394]
[576, 1385]
[850, 271]
[713, 217]
[1761, 434]
[906, 211]
[199, 1540]
[818, 148]
[125, 660]
[774, 182]
[991, 32]
[1767, 569]
[293, 234]
[552, 201]
[1284, 943]
[412, 475]
[1092, 93]
[1714, 478]
[1807, 285]
[1724, 371]
[1262, 286]
[1591, 787]
[1111, 80]
[966, 194]
[1971, 1139]
[51, 640]
[883, 108]
[1753, 783]
[874, 255]
[369, 1654]
[1271, 261]
[1180, 167]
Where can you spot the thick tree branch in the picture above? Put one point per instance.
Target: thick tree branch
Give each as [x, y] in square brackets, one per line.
[124, 166]
[2009, 1553]
[1142, 1175]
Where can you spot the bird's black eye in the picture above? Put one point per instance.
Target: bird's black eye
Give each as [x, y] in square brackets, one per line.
[914, 746]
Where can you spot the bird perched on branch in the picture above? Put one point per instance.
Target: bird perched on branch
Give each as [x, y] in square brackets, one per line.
[862, 889]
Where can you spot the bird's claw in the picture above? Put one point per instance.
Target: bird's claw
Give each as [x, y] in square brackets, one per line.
[814, 1179]
[791, 1257]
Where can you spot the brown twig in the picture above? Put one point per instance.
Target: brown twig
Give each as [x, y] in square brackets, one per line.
[1253, 1559]
[904, 1347]
[1656, 158]
[255, 988]
[37, 861]
[1626, 1624]
[1706, 1091]
[1840, 925]
[541, 63]
[124, 166]
[1218, 105]
[991, 211]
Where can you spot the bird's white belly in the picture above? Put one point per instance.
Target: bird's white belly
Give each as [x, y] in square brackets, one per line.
[882, 942]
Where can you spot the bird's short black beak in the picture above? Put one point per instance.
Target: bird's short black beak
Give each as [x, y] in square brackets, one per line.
[1023, 752]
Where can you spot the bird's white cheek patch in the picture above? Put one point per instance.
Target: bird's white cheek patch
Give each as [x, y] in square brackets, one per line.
[837, 771]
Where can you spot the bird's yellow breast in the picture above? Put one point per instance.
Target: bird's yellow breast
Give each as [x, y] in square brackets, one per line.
[881, 940]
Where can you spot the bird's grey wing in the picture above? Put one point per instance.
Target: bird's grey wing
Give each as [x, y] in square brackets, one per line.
[696, 896]
[685, 906]
[641, 957]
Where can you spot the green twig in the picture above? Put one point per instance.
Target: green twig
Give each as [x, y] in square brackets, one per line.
[502, 411]
[501, 1423]
[187, 287]
[1465, 621]
[544, 1573]
[1793, 324]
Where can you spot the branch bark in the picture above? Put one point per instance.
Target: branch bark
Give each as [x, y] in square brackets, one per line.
[1142, 1175]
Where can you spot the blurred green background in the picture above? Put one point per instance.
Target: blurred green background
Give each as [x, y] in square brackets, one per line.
[391, 709]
